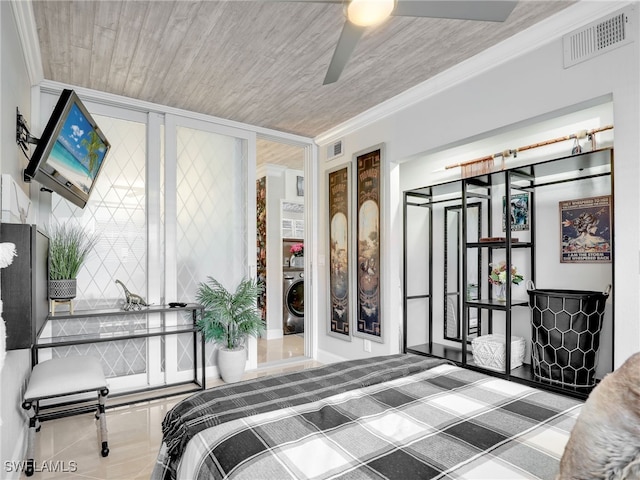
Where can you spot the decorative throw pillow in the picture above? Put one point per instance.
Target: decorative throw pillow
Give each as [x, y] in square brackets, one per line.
[605, 441]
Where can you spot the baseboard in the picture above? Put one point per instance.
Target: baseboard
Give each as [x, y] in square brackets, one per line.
[325, 357]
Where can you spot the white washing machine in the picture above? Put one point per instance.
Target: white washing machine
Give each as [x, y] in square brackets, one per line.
[293, 301]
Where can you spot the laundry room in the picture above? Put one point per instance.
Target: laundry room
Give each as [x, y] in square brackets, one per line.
[280, 231]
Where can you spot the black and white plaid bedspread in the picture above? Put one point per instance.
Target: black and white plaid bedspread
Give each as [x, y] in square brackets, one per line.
[229, 402]
[445, 422]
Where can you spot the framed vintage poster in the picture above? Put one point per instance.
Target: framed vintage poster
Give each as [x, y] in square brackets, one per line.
[519, 209]
[261, 243]
[586, 230]
[368, 189]
[338, 182]
[300, 186]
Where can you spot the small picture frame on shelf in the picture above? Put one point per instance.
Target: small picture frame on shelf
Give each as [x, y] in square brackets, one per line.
[519, 209]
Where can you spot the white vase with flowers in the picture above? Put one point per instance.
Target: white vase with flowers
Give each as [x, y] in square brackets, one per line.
[499, 278]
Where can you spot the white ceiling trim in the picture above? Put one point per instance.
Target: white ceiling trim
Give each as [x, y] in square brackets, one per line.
[563, 22]
[269, 169]
[28, 33]
[111, 99]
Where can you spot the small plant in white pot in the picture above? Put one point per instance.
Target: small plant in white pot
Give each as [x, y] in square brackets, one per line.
[228, 319]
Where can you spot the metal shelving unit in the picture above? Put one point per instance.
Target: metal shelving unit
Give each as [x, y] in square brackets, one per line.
[489, 190]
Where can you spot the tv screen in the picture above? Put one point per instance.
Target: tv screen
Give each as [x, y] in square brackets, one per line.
[70, 154]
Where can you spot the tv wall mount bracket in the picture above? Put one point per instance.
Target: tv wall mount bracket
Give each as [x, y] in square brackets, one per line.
[24, 137]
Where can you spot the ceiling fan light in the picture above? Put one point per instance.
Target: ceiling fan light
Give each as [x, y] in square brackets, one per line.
[369, 12]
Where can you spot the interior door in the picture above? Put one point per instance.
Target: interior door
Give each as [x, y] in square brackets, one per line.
[209, 201]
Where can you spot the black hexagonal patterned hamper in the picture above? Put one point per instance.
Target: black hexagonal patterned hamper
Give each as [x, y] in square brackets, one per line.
[565, 334]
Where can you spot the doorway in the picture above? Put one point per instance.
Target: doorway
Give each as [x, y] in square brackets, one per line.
[280, 220]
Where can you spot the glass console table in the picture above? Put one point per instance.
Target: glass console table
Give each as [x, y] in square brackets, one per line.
[123, 340]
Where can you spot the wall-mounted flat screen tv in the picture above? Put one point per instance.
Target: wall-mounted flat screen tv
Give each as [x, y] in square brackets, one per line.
[71, 152]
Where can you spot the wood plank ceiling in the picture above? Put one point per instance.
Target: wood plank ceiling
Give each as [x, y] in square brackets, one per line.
[257, 62]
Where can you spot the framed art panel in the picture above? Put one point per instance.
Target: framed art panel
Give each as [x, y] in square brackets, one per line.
[339, 190]
[519, 212]
[261, 242]
[300, 186]
[586, 230]
[368, 204]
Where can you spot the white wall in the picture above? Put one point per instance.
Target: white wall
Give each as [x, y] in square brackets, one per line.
[14, 92]
[518, 82]
[291, 184]
[275, 193]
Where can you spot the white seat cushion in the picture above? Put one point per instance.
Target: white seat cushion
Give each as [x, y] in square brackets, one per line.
[64, 376]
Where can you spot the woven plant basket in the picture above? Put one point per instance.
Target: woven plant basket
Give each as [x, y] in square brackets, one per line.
[62, 289]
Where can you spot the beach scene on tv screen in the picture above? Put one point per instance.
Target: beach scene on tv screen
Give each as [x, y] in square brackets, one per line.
[78, 151]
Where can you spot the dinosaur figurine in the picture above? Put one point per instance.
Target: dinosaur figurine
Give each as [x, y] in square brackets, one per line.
[133, 301]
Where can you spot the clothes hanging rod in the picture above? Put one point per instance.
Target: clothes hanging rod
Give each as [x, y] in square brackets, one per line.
[507, 153]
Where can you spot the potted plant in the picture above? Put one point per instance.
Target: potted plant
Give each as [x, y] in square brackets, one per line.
[228, 319]
[297, 255]
[498, 277]
[69, 245]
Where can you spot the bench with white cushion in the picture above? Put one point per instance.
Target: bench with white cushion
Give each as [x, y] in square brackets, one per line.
[61, 377]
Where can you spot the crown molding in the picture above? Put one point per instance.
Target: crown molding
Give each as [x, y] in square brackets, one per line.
[110, 99]
[28, 34]
[545, 32]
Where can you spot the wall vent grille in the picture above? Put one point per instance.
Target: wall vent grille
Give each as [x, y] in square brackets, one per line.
[293, 207]
[334, 150]
[597, 38]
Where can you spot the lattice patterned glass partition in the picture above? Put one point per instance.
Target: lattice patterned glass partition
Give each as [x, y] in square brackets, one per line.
[211, 216]
[117, 212]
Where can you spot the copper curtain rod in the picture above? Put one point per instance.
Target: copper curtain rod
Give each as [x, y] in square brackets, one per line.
[507, 153]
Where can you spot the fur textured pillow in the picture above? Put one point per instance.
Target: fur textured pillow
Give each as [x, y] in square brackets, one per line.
[605, 441]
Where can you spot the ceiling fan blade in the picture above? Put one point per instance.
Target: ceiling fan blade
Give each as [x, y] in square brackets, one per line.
[483, 10]
[348, 40]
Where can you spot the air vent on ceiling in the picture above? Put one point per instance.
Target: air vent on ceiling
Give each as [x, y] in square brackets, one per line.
[334, 150]
[597, 38]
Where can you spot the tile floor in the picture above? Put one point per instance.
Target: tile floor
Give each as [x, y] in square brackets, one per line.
[276, 350]
[70, 445]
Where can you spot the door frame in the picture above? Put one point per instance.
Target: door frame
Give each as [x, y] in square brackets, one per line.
[311, 294]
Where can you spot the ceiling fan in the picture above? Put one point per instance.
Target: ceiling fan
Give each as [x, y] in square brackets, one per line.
[366, 13]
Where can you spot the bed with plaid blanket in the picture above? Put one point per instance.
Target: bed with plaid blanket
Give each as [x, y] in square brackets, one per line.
[440, 421]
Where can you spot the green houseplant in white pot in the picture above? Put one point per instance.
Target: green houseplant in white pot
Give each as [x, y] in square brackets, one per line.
[228, 319]
[69, 245]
